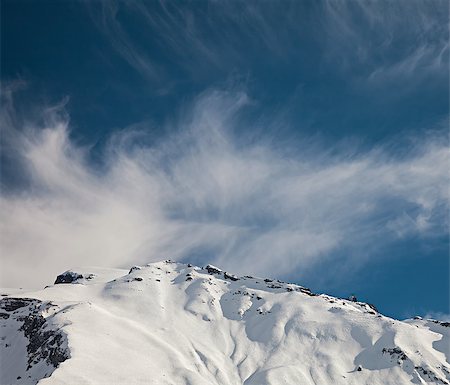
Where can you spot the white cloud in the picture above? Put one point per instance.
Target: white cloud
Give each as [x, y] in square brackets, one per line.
[444, 317]
[205, 193]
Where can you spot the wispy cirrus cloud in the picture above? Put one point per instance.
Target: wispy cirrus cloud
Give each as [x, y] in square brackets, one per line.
[135, 56]
[199, 194]
[374, 41]
[403, 38]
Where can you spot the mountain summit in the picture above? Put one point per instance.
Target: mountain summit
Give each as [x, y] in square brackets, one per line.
[171, 323]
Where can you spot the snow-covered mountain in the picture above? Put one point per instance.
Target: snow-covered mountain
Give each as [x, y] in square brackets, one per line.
[171, 323]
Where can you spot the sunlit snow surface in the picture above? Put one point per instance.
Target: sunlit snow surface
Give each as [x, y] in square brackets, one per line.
[171, 323]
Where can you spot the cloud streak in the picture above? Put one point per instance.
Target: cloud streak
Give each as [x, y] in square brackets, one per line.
[200, 194]
[407, 39]
[378, 40]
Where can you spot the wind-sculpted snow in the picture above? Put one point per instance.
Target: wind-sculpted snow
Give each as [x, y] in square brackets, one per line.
[170, 323]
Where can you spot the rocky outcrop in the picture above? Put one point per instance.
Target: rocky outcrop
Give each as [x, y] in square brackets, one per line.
[46, 344]
[68, 277]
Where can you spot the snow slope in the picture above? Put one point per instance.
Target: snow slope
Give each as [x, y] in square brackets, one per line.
[170, 323]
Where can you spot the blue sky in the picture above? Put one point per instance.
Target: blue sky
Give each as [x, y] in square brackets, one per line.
[303, 140]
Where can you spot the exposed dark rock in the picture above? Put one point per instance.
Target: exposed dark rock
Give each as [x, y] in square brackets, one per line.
[44, 343]
[444, 324]
[396, 352]
[4, 315]
[67, 277]
[12, 304]
[134, 268]
[212, 269]
[307, 291]
[430, 375]
[230, 276]
[138, 279]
